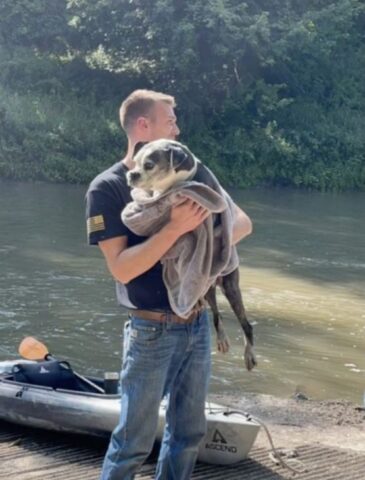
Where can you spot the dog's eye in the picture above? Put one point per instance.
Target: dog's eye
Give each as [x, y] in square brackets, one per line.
[149, 165]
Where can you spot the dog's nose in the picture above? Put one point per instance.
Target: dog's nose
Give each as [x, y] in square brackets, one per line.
[133, 176]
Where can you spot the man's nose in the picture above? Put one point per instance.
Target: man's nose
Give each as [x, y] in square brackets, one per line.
[176, 131]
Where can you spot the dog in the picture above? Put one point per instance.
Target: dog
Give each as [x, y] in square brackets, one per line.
[159, 165]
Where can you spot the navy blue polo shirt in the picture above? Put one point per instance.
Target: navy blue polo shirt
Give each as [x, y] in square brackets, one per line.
[106, 197]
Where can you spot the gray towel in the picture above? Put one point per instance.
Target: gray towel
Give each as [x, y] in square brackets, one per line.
[195, 261]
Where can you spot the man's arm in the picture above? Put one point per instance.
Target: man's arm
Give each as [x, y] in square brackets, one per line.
[125, 263]
[242, 226]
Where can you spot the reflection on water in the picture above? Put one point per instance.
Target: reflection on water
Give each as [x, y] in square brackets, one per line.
[302, 275]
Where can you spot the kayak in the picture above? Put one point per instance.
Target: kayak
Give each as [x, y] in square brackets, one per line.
[229, 438]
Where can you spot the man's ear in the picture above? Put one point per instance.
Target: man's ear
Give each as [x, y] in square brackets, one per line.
[138, 147]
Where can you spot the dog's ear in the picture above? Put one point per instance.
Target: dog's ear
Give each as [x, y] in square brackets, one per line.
[138, 147]
[180, 159]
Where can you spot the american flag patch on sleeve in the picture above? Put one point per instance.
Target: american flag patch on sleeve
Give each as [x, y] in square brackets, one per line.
[95, 224]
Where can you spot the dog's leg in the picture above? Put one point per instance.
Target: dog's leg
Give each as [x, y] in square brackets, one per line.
[222, 338]
[231, 289]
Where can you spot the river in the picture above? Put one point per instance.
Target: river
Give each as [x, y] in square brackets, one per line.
[302, 277]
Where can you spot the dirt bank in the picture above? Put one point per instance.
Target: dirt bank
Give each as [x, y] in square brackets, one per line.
[299, 421]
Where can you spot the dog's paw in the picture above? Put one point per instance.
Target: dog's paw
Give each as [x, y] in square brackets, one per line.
[222, 342]
[250, 358]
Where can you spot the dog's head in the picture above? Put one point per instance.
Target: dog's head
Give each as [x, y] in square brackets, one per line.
[160, 164]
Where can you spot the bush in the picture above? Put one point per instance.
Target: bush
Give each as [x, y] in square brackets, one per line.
[46, 137]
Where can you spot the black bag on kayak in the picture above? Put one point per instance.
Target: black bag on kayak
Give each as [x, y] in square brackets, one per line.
[50, 373]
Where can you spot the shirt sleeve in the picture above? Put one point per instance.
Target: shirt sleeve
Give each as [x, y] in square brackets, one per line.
[103, 217]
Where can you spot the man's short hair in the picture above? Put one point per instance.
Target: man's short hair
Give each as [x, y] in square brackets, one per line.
[139, 103]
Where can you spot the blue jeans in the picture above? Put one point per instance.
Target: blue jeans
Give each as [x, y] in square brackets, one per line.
[161, 359]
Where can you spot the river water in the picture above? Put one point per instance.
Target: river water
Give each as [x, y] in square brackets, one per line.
[302, 277]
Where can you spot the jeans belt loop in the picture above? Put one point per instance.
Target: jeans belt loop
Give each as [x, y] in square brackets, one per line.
[168, 317]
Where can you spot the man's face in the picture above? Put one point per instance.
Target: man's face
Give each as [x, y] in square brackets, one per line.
[162, 122]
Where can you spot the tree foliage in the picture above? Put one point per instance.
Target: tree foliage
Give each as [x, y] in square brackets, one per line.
[268, 91]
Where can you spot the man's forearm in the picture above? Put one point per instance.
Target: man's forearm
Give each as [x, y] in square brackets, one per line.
[242, 226]
[133, 261]
[126, 263]
[136, 260]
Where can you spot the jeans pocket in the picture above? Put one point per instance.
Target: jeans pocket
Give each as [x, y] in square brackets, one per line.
[144, 331]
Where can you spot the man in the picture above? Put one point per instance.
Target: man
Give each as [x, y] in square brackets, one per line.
[163, 354]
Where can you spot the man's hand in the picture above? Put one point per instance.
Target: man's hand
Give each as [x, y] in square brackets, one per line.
[186, 216]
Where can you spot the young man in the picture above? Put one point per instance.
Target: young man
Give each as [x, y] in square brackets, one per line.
[163, 354]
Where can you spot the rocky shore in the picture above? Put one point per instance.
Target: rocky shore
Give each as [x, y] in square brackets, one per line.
[299, 421]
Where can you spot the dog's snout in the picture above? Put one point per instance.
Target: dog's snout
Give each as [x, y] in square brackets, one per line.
[134, 176]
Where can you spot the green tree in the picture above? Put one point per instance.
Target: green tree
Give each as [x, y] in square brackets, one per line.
[269, 91]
